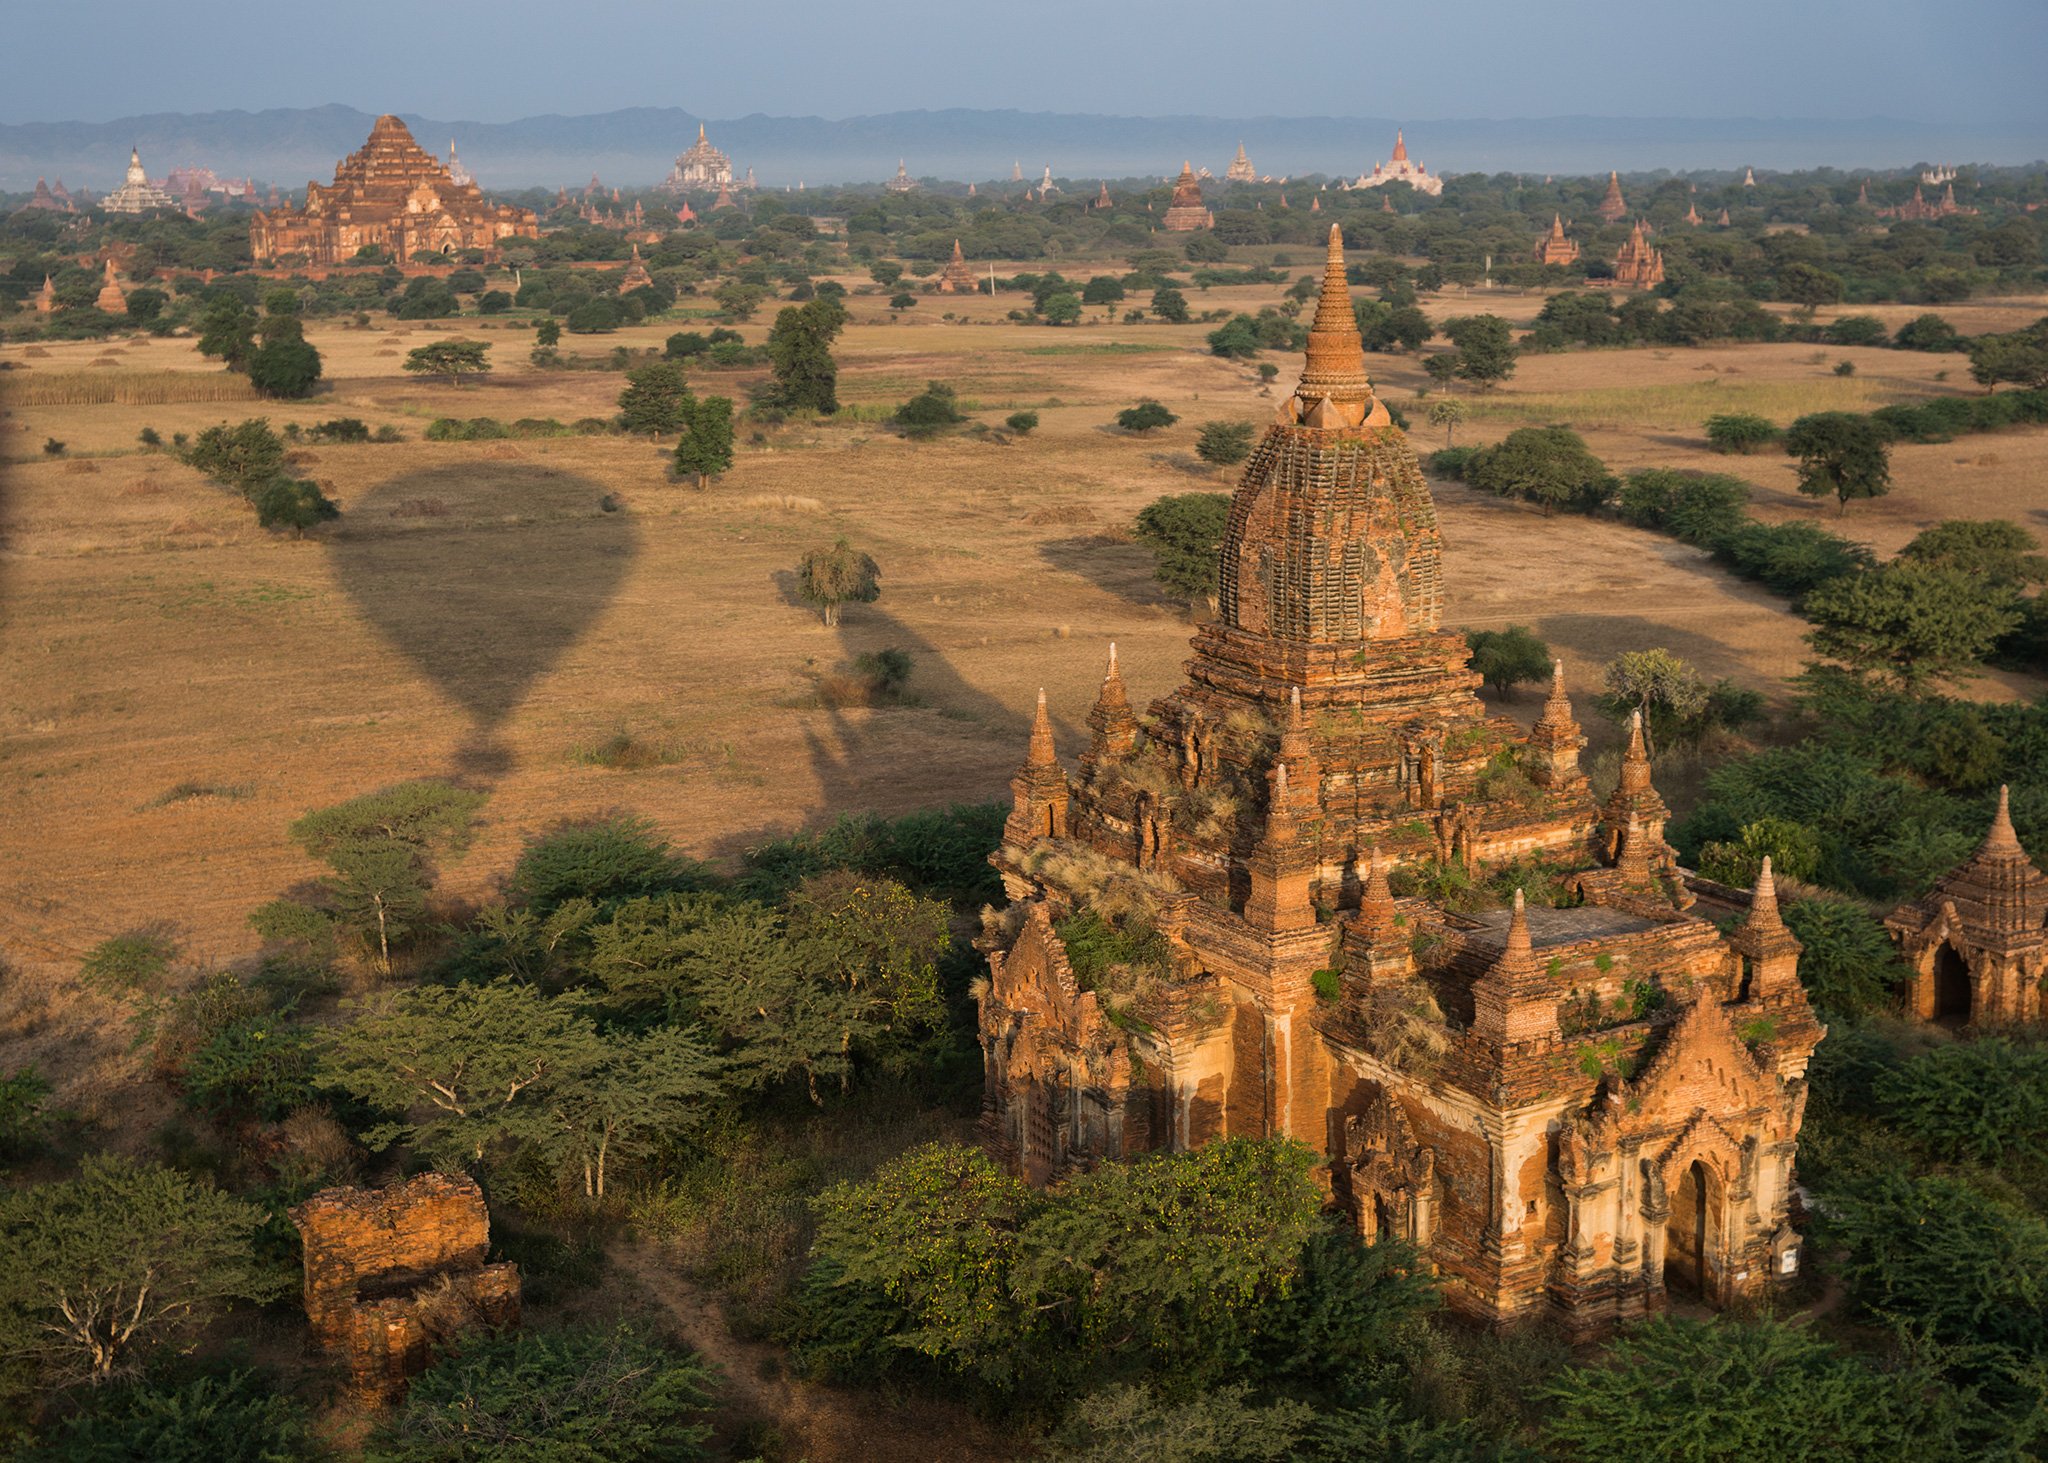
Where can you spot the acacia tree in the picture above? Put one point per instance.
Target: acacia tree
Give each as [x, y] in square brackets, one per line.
[451, 358]
[1909, 623]
[1446, 412]
[1508, 658]
[1658, 686]
[615, 1095]
[1224, 444]
[842, 574]
[1841, 453]
[124, 1256]
[1485, 349]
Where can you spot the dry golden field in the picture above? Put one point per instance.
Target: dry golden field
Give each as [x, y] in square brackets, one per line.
[180, 685]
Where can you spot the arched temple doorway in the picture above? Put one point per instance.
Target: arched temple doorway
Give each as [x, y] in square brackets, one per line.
[1951, 986]
[1692, 1234]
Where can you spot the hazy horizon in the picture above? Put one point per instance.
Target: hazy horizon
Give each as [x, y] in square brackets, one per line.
[508, 61]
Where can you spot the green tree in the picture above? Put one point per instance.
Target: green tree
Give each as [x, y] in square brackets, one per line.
[1808, 286]
[1224, 443]
[1145, 418]
[1549, 466]
[656, 400]
[616, 1096]
[1840, 453]
[227, 329]
[1849, 963]
[215, 1417]
[1238, 339]
[1508, 658]
[24, 1114]
[243, 457]
[1996, 551]
[929, 413]
[705, 450]
[1656, 685]
[885, 271]
[451, 358]
[1130, 1424]
[1023, 423]
[873, 935]
[1170, 305]
[1485, 349]
[1446, 412]
[800, 354]
[548, 333]
[1938, 1099]
[2020, 358]
[739, 299]
[467, 1069]
[577, 1393]
[1686, 1391]
[293, 505]
[904, 300]
[380, 848]
[1185, 534]
[842, 574]
[1740, 432]
[1908, 624]
[1062, 309]
[1103, 289]
[96, 1269]
[1927, 333]
[606, 861]
[286, 364]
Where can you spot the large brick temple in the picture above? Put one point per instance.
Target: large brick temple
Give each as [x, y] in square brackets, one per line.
[393, 194]
[1574, 1107]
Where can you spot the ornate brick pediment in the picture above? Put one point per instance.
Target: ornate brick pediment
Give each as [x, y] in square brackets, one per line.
[1702, 1066]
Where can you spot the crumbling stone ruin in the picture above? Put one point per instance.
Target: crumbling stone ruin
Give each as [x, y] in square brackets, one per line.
[393, 1272]
[1185, 212]
[1575, 1109]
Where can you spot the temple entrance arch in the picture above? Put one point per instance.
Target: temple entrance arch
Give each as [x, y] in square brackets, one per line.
[1951, 986]
[1692, 1235]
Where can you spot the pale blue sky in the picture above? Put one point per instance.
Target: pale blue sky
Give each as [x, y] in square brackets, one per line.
[1980, 62]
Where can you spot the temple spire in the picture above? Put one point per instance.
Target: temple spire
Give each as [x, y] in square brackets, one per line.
[1114, 723]
[1519, 949]
[1635, 762]
[1335, 369]
[2002, 840]
[1763, 902]
[1042, 753]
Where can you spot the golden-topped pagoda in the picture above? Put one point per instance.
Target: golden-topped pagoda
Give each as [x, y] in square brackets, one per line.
[136, 193]
[390, 194]
[1186, 212]
[1575, 1106]
[701, 166]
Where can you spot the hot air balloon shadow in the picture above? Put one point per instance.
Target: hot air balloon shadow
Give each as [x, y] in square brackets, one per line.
[482, 575]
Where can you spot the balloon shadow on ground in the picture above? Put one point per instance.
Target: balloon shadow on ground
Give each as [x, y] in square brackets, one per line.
[482, 575]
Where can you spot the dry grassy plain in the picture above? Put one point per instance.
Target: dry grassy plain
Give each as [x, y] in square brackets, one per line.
[180, 685]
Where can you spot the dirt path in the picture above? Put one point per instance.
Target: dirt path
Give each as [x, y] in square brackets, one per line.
[818, 1424]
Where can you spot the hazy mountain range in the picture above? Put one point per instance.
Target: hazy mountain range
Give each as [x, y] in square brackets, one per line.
[637, 145]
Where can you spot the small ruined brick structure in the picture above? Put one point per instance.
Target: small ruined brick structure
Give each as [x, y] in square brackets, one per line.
[1636, 264]
[1570, 1110]
[636, 276]
[957, 278]
[1186, 213]
[112, 298]
[1556, 247]
[1612, 208]
[392, 1272]
[1977, 944]
[390, 193]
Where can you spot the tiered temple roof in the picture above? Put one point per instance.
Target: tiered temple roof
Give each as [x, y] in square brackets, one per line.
[1240, 169]
[1636, 264]
[1977, 942]
[636, 275]
[700, 166]
[136, 193]
[1186, 212]
[1400, 169]
[902, 182]
[390, 194]
[43, 198]
[1491, 1085]
[1556, 247]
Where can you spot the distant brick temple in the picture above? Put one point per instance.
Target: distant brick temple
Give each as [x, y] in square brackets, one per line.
[392, 1272]
[1186, 212]
[1977, 943]
[957, 278]
[1555, 247]
[392, 194]
[1613, 208]
[1572, 1110]
[1636, 264]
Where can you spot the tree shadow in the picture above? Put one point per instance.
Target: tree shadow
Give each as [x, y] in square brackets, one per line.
[482, 575]
[1119, 567]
